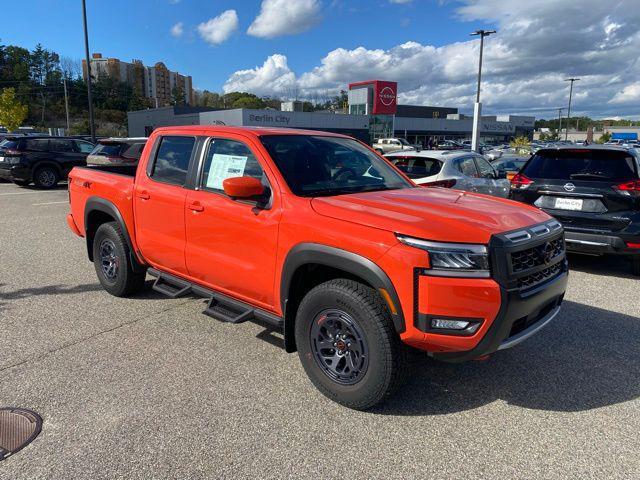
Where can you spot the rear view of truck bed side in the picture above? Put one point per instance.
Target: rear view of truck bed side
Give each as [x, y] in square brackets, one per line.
[88, 189]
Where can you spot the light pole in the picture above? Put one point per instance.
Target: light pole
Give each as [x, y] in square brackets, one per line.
[477, 107]
[566, 134]
[92, 126]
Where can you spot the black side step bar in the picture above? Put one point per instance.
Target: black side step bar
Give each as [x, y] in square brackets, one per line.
[221, 307]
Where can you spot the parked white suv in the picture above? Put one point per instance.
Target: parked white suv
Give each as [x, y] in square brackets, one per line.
[388, 145]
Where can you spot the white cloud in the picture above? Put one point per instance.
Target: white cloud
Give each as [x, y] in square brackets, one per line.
[285, 17]
[629, 94]
[537, 46]
[273, 76]
[177, 30]
[218, 29]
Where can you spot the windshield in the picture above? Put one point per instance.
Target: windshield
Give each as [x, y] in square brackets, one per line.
[587, 164]
[321, 166]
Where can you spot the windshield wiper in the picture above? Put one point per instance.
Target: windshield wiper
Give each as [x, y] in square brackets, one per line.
[589, 175]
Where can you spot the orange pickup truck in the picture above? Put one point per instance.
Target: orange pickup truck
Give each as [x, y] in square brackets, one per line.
[316, 235]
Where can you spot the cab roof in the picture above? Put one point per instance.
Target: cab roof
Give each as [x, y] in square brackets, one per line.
[256, 131]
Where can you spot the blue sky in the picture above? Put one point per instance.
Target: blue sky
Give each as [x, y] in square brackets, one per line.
[303, 48]
[140, 29]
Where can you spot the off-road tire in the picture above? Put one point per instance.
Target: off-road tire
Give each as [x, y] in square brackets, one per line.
[46, 177]
[125, 281]
[387, 355]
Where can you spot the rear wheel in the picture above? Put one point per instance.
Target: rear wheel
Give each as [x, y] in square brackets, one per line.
[347, 344]
[635, 265]
[113, 263]
[46, 177]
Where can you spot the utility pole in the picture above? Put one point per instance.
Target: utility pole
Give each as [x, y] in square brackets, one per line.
[66, 102]
[560, 121]
[92, 125]
[566, 135]
[477, 107]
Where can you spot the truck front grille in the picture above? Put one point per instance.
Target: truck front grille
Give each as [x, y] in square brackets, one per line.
[536, 256]
[540, 276]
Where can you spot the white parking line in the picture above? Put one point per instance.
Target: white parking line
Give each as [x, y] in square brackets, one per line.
[48, 203]
[32, 193]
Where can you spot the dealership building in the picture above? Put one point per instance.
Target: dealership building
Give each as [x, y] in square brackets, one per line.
[373, 113]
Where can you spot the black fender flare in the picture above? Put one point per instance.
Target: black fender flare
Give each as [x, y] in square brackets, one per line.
[99, 204]
[315, 253]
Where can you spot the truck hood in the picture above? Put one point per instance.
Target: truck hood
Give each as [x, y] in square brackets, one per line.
[439, 214]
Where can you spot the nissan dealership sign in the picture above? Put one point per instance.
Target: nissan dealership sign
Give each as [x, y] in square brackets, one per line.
[383, 96]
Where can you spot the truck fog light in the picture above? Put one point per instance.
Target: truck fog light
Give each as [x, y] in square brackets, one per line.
[448, 324]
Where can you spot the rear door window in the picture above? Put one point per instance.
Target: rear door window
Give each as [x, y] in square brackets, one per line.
[83, 147]
[61, 146]
[583, 165]
[37, 144]
[485, 168]
[467, 167]
[172, 160]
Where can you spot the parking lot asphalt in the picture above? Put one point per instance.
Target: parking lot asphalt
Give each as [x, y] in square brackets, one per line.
[150, 387]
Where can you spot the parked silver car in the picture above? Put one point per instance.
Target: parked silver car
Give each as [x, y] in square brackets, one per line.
[459, 169]
[387, 145]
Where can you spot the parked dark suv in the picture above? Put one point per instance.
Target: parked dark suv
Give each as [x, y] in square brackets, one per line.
[593, 191]
[41, 160]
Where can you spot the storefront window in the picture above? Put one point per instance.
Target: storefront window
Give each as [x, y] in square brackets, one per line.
[380, 126]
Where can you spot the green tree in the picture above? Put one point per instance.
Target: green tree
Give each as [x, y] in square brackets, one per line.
[177, 96]
[12, 112]
[521, 144]
[605, 137]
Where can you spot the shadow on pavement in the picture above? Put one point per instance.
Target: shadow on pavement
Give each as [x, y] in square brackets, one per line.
[609, 265]
[588, 358]
[147, 293]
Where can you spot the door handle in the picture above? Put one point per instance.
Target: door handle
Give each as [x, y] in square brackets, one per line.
[144, 195]
[195, 206]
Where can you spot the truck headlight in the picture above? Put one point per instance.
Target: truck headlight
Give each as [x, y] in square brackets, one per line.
[452, 259]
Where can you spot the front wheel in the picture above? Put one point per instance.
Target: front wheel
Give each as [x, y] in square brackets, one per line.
[347, 344]
[113, 263]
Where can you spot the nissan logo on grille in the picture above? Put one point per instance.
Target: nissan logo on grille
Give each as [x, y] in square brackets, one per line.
[569, 187]
[546, 253]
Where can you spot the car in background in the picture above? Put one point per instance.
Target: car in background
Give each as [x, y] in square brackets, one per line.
[387, 145]
[593, 191]
[117, 151]
[508, 165]
[449, 145]
[462, 170]
[43, 160]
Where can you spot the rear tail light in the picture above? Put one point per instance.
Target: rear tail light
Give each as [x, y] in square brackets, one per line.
[629, 188]
[520, 182]
[10, 151]
[440, 183]
[633, 245]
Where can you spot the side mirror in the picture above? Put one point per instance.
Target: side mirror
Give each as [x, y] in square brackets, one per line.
[243, 187]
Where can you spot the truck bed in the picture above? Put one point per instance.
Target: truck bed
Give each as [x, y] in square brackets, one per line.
[100, 183]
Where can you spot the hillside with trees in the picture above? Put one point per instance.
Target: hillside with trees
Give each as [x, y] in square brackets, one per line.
[32, 85]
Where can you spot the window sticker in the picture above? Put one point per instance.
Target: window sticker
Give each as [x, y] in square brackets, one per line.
[223, 167]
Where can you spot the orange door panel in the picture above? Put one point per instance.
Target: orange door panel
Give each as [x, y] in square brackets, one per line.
[232, 244]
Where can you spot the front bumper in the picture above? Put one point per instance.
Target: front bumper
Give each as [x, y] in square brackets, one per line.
[521, 315]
